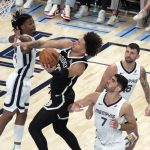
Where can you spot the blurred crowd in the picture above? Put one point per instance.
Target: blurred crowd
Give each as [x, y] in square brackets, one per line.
[83, 8]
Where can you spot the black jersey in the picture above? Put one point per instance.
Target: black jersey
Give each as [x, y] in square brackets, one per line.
[63, 86]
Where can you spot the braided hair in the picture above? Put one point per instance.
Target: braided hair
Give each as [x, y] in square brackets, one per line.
[18, 19]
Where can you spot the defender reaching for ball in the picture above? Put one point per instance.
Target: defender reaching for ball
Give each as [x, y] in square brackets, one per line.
[18, 83]
[72, 63]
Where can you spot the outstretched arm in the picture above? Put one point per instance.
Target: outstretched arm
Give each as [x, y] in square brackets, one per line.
[59, 44]
[87, 100]
[146, 89]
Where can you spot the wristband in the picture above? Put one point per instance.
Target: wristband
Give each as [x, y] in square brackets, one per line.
[119, 127]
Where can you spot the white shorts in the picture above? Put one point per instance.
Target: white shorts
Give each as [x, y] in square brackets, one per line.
[113, 146]
[18, 93]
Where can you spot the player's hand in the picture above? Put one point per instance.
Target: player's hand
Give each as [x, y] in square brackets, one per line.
[147, 110]
[75, 107]
[114, 123]
[89, 112]
[48, 68]
[25, 48]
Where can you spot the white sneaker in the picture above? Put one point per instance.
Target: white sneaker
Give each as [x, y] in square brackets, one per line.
[48, 6]
[83, 12]
[112, 20]
[101, 16]
[53, 12]
[147, 29]
[142, 14]
[28, 4]
[140, 24]
[130, 139]
[19, 3]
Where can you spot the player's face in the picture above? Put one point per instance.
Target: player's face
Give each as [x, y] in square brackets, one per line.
[79, 45]
[111, 84]
[28, 27]
[131, 55]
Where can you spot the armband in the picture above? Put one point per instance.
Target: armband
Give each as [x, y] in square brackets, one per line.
[4, 39]
[60, 74]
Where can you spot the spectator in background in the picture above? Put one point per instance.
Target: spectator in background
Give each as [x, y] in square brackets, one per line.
[102, 13]
[84, 8]
[28, 4]
[48, 5]
[114, 18]
[145, 6]
[56, 9]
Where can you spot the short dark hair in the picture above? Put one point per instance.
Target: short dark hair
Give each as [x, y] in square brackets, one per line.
[18, 19]
[122, 81]
[93, 43]
[134, 46]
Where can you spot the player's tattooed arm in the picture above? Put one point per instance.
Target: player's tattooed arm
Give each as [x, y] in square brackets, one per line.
[146, 88]
[145, 85]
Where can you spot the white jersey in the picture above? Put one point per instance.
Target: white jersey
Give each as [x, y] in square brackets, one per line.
[132, 77]
[103, 115]
[24, 63]
[18, 83]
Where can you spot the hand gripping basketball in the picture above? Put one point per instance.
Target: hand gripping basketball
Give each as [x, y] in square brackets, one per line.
[49, 57]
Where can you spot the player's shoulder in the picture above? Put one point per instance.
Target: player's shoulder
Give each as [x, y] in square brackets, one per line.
[126, 106]
[142, 69]
[112, 68]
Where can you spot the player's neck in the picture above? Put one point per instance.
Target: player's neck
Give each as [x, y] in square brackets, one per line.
[128, 66]
[112, 97]
[76, 54]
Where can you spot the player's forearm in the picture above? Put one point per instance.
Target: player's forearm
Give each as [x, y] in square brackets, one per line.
[85, 103]
[147, 93]
[146, 89]
[99, 89]
[129, 127]
[34, 44]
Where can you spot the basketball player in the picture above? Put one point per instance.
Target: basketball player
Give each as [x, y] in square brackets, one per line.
[72, 63]
[110, 109]
[18, 83]
[132, 71]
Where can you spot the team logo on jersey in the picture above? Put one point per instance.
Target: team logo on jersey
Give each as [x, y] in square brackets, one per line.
[135, 72]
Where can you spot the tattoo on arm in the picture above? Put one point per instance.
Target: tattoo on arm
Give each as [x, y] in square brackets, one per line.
[145, 85]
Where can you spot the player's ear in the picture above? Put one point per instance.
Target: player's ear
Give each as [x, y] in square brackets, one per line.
[119, 88]
[137, 56]
[83, 51]
[22, 27]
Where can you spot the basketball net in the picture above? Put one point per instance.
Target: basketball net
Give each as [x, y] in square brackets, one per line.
[5, 8]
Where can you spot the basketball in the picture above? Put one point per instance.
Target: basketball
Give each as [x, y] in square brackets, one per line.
[49, 56]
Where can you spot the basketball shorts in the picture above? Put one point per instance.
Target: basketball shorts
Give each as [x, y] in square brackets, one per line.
[112, 146]
[59, 104]
[18, 93]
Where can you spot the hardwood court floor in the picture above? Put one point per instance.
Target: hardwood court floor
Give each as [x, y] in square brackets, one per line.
[123, 34]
